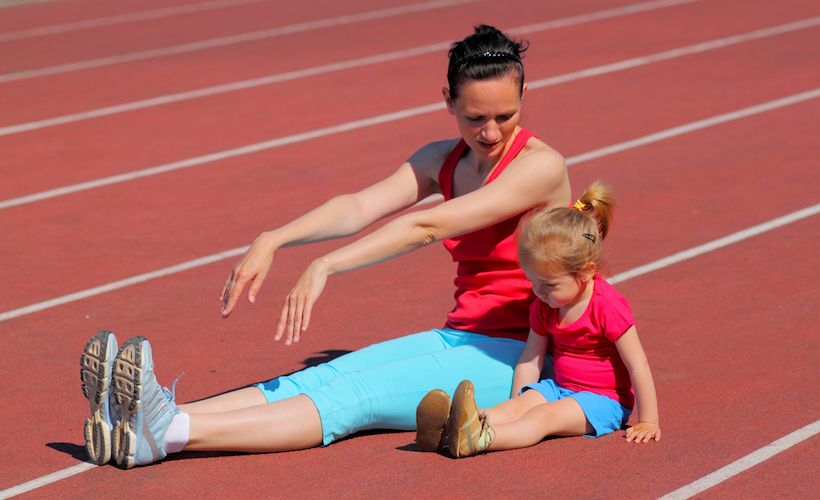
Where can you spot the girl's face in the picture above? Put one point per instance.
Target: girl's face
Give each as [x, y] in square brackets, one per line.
[557, 290]
[487, 113]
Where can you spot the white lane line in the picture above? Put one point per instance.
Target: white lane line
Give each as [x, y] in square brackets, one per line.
[717, 43]
[17, 3]
[706, 482]
[395, 116]
[116, 285]
[122, 19]
[698, 125]
[231, 39]
[323, 69]
[45, 480]
[222, 155]
[742, 464]
[573, 160]
[719, 243]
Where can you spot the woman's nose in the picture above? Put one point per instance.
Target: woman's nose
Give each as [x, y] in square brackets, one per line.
[490, 132]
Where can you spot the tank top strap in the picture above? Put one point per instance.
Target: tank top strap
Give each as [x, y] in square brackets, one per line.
[448, 169]
[518, 144]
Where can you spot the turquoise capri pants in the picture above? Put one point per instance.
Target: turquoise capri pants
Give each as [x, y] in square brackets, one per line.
[379, 386]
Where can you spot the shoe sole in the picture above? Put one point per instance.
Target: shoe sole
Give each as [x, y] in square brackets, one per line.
[95, 374]
[459, 426]
[431, 419]
[127, 374]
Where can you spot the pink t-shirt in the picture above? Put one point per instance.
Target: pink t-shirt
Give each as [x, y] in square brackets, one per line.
[584, 354]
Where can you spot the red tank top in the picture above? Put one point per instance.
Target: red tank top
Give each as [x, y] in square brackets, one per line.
[493, 295]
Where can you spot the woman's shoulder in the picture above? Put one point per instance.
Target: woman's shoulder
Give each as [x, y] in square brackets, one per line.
[538, 151]
[542, 169]
[432, 155]
[438, 149]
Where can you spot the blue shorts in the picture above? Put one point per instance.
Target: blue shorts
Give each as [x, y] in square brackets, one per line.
[379, 386]
[604, 414]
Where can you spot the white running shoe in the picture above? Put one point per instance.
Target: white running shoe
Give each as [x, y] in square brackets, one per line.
[146, 408]
[95, 373]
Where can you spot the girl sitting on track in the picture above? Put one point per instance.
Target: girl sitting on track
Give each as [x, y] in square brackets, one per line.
[583, 323]
[490, 176]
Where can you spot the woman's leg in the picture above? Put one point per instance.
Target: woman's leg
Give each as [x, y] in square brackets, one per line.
[246, 397]
[386, 395]
[290, 424]
[560, 418]
[381, 396]
[313, 377]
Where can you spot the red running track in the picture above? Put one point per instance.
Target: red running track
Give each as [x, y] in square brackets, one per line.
[728, 342]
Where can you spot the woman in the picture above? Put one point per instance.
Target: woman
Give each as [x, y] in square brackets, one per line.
[490, 176]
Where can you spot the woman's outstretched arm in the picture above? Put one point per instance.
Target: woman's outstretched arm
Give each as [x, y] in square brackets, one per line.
[340, 216]
[535, 180]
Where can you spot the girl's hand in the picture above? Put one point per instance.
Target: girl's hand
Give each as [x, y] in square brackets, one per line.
[643, 432]
[295, 316]
[253, 268]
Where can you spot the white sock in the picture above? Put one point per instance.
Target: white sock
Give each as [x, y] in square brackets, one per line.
[176, 436]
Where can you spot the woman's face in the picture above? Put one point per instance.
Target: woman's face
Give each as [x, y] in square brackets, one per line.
[487, 113]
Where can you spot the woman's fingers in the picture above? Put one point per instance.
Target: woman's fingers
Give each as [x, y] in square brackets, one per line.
[256, 285]
[232, 287]
[298, 306]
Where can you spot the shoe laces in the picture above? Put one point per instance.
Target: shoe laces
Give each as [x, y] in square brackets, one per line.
[171, 393]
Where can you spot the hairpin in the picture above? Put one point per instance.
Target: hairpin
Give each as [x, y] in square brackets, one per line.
[591, 237]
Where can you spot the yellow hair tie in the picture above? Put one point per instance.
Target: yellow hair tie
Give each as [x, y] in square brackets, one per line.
[579, 205]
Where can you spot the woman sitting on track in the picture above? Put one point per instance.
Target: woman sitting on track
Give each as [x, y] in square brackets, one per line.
[489, 177]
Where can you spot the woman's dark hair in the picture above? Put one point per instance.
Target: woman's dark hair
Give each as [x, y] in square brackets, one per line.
[486, 54]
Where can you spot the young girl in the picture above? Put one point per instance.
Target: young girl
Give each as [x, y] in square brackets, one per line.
[583, 323]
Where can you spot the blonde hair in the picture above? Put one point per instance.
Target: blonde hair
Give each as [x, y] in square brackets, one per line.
[566, 239]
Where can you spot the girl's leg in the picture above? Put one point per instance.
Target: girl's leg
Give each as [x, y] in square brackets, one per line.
[560, 418]
[513, 409]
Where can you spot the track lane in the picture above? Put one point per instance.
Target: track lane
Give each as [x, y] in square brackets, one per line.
[334, 66]
[37, 14]
[786, 475]
[31, 60]
[123, 82]
[223, 122]
[43, 30]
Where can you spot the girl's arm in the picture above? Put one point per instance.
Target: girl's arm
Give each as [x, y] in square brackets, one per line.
[646, 401]
[539, 179]
[530, 363]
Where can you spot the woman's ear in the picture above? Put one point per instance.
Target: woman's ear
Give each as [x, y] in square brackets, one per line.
[448, 100]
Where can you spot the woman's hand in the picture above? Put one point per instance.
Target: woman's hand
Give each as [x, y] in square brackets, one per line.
[298, 305]
[643, 432]
[253, 268]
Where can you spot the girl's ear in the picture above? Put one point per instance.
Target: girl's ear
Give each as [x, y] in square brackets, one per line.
[588, 271]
